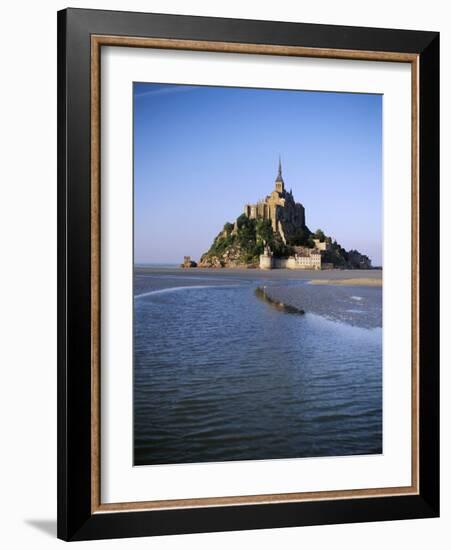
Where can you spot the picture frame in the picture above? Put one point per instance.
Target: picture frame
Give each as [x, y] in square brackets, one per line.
[81, 36]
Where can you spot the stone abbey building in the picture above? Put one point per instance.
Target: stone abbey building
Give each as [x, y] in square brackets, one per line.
[280, 208]
[287, 216]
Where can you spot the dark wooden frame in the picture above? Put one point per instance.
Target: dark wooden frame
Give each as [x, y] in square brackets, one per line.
[81, 33]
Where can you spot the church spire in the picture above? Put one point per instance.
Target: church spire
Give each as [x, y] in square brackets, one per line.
[280, 168]
[279, 173]
[280, 187]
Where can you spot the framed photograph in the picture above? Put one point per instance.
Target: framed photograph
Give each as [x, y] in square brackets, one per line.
[248, 274]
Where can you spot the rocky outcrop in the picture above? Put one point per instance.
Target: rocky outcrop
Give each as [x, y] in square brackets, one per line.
[232, 256]
[241, 244]
[188, 262]
[260, 292]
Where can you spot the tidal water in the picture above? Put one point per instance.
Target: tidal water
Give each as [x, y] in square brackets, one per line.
[221, 374]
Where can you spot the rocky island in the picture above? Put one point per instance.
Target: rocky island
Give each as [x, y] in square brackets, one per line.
[273, 234]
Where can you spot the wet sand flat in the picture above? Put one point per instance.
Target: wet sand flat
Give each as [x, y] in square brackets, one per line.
[274, 274]
[355, 305]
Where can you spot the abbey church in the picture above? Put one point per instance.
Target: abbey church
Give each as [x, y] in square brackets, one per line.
[280, 208]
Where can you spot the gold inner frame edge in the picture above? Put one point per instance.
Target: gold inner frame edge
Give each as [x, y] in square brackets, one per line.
[97, 41]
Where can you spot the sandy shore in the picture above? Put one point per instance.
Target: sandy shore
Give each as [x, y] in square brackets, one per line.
[364, 281]
[332, 277]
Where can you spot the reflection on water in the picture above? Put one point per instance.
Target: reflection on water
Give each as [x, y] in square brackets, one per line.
[222, 375]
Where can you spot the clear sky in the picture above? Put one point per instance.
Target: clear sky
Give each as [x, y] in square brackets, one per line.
[201, 153]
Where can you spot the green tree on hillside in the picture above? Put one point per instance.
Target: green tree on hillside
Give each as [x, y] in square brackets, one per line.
[264, 230]
[319, 234]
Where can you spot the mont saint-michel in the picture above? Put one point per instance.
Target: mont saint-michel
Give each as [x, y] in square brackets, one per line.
[272, 233]
[265, 341]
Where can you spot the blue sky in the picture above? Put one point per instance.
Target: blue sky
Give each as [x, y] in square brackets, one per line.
[201, 153]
